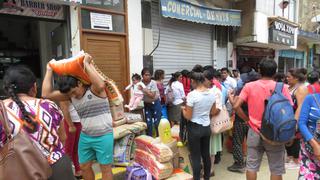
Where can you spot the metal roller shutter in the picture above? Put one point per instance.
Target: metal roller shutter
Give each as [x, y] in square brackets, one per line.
[182, 45]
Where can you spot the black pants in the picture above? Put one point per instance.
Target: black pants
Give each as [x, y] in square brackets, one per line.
[62, 169]
[240, 132]
[199, 141]
[294, 149]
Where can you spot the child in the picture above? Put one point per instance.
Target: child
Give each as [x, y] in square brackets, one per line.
[137, 93]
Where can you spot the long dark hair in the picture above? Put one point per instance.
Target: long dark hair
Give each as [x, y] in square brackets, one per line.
[20, 79]
[174, 77]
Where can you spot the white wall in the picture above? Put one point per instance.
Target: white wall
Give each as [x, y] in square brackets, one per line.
[135, 36]
[75, 34]
[261, 29]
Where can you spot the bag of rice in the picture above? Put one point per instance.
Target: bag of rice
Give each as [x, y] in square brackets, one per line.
[149, 162]
[161, 152]
[122, 149]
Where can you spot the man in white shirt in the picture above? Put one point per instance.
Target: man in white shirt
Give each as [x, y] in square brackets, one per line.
[228, 82]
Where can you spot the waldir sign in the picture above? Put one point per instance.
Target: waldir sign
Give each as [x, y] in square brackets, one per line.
[189, 12]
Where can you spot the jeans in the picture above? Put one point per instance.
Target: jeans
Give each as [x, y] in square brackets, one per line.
[153, 116]
[199, 144]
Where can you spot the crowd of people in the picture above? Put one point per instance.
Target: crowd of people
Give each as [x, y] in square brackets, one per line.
[73, 124]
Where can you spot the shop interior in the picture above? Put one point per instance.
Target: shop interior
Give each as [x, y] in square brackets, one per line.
[31, 42]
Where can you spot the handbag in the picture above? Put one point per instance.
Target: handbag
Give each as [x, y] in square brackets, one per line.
[19, 156]
[221, 122]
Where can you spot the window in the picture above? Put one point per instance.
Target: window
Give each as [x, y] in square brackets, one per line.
[116, 5]
[118, 21]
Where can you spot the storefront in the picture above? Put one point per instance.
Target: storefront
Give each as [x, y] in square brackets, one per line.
[290, 59]
[33, 32]
[252, 56]
[187, 34]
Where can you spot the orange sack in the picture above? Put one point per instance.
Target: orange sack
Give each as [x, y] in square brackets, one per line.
[74, 67]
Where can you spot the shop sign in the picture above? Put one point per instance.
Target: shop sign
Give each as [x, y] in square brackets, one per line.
[101, 21]
[282, 33]
[189, 12]
[33, 8]
[254, 52]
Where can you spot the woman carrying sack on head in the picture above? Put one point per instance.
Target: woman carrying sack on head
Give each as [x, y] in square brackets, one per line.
[40, 119]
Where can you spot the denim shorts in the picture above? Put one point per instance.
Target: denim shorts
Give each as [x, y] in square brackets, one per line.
[256, 148]
[98, 148]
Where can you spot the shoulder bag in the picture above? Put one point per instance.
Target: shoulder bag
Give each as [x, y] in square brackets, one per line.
[221, 122]
[19, 156]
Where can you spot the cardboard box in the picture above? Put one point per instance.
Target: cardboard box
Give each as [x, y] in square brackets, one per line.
[117, 112]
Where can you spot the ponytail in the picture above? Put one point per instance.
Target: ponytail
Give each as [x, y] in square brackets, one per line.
[30, 125]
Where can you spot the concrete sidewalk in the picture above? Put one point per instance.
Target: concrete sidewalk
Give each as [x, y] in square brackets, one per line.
[222, 173]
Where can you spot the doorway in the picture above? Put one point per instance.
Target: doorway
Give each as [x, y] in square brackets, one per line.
[31, 42]
[109, 53]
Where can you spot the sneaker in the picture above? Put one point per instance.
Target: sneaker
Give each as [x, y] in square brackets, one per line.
[237, 168]
[292, 165]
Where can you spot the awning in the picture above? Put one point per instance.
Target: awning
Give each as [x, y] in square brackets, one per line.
[309, 36]
[291, 54]
[65, 2]
[199, 14]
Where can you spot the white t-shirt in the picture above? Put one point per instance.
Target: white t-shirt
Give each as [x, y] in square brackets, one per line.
[230, 83]
[201, 103]
[178, 92]
[135, 87]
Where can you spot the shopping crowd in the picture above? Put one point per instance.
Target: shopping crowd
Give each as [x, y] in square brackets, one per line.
[72, 124]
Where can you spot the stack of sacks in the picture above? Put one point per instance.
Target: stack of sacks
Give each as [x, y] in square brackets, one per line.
[154, 156]
[118, 116]
[161, 152]
[123, 130]
[122, 150]
[132, 118]
[149, 162]
[174, 148]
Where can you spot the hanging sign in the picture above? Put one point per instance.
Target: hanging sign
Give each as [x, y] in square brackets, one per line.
[282, 33]
[101, 21]
[200, 14]
[33, 8]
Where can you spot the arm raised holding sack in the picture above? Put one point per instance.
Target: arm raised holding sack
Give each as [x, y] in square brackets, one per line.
[47, 88]
[97, 84]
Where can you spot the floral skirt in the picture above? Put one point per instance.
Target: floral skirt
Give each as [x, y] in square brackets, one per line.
[309, 165]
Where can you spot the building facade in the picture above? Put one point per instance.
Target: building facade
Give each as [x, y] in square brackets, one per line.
[36, 31]
[269, 29]
[178, 34]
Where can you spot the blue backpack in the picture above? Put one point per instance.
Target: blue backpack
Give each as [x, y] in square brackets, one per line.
[278, 123]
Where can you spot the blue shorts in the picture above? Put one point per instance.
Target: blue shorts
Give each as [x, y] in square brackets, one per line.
[98, 148]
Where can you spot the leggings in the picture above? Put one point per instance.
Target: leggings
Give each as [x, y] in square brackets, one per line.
[153, 116]
[240, 132]
[71, 146]
[199, 144]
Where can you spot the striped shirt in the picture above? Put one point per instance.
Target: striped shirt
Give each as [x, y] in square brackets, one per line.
[94, 113]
